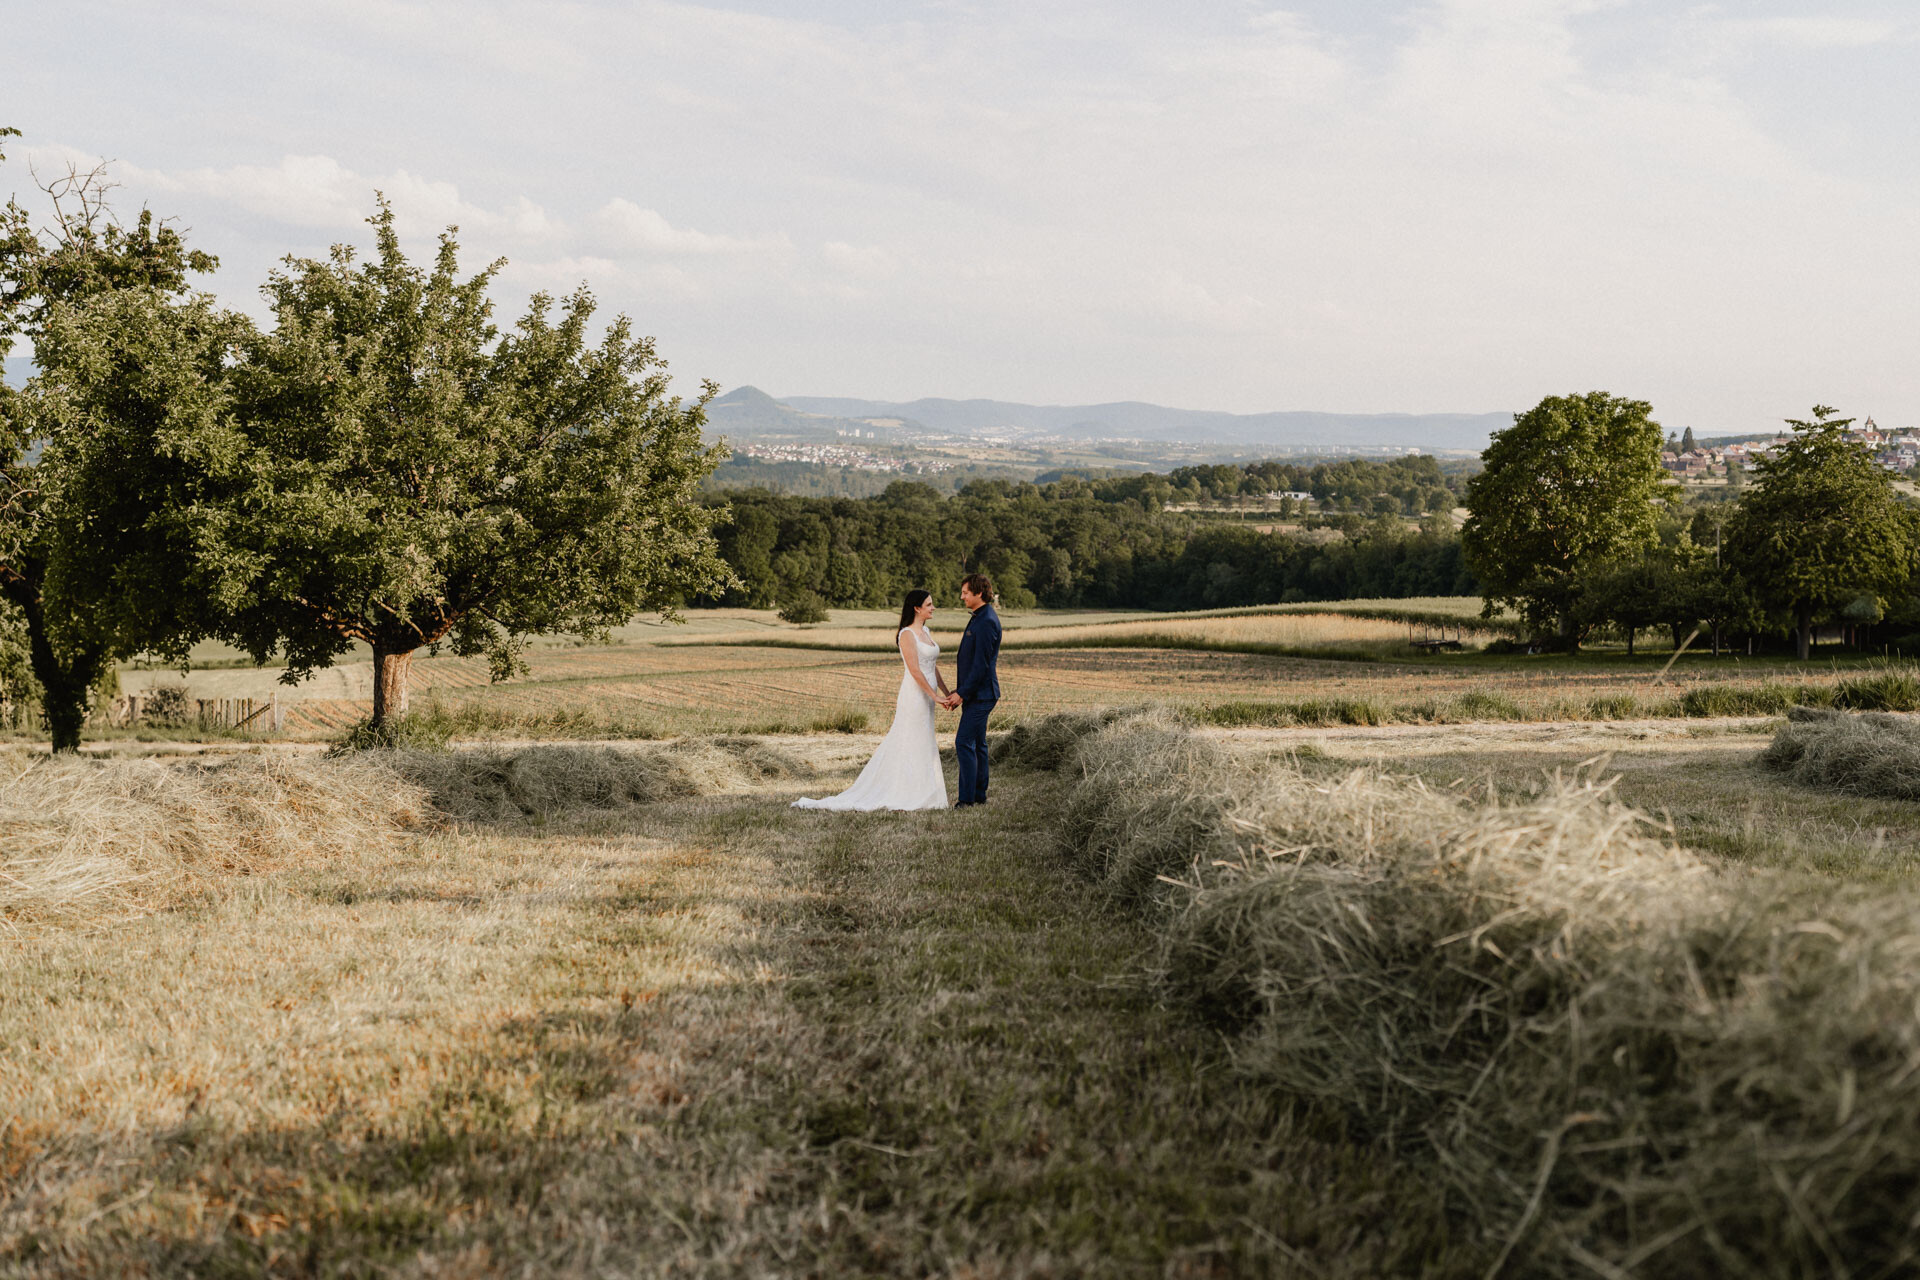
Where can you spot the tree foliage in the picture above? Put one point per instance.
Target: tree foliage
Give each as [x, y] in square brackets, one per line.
[80, 257]
[1571, 485]
[1821, 527]
[385, 466]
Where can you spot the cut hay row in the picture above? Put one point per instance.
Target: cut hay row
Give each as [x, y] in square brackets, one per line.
[1863, 755]
[491, 784]
[1619, 1059]
[85, 843]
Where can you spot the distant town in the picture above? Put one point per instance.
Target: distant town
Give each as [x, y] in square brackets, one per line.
[1896, 449]
[839, 455]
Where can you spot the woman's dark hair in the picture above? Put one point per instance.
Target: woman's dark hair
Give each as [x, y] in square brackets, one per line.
[915, 598]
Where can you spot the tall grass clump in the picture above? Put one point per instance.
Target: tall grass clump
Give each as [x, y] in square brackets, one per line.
[1314, 712]
[1332, 711]
[1483, 704]
[1869, 754]
[434, 727]
[1768, 699]
[86, 843]
[1616, 1057]
[1891, 688]
[1612, 706]
[1249, 715]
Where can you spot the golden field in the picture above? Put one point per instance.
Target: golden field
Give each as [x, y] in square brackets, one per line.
[737, 670]
[586, 1009]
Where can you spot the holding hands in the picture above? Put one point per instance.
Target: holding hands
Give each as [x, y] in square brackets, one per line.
[951, 701]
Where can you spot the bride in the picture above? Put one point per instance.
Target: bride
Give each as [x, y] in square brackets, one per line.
[905, 772]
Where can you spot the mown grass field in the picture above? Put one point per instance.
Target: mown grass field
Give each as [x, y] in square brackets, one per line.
[552, 1010]
[743, 671]
[701, 1036]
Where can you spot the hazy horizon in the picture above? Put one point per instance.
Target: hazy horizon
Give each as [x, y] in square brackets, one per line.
[1384, 208]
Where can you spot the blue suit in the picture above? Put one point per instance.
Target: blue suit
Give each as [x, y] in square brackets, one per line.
[977, 681]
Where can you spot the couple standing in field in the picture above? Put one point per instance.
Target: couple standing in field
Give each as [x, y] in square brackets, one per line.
[905, 772]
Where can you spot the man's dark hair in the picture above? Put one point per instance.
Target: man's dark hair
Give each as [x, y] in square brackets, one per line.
[980, 584]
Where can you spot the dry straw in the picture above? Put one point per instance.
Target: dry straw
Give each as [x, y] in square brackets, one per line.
[1618, 1058]
[1864, 755]
[86, 843]
[508, 784]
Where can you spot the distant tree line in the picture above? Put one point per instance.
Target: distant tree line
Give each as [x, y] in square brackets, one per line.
[1411, 485]
[1107, 542]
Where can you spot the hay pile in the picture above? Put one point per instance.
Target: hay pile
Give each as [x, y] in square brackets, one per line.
[89, 842]
[1870, 754]
[1618, 1059]
[514, 783]
[86, 843]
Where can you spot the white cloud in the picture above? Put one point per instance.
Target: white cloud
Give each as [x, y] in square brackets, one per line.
[1459, 204]
[318, 191]
[1820, 32]
[636, 230]
[865, 262]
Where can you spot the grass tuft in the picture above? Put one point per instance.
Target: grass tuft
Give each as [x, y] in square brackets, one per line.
[1890, 689]
[1768, 699]
[841, 722]
[1481, 704]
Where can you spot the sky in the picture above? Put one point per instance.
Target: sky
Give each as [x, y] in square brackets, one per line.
[1455, 206]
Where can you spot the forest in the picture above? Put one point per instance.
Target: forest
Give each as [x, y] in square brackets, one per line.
[1108, 542]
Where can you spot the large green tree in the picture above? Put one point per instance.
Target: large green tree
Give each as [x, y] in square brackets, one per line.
[138, 394]
[1821, 527]
[384, 466]
[1573, 484]
[78, 255]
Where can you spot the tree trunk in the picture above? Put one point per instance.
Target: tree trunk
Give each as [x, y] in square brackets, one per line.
[66, 686]
[1630, 631]
[1805, 636]
[391, 667]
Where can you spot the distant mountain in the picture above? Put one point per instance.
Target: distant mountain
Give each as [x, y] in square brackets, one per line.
[1134, 420]
[749, 412]
[17, 371]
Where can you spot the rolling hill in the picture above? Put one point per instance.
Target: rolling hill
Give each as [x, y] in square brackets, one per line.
[1134, 420]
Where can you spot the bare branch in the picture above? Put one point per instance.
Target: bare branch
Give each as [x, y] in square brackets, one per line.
[87, 189]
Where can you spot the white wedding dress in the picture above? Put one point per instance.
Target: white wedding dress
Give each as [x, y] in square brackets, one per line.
[905, 772]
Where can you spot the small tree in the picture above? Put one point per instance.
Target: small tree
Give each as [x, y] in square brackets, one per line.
[1820, 527]
[388, 468]
[82, 255]
[1571, 485]
[802, 606]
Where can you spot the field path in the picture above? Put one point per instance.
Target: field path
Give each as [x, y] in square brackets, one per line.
[710, 1037]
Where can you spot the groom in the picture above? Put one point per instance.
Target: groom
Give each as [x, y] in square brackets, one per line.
[976, 687]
